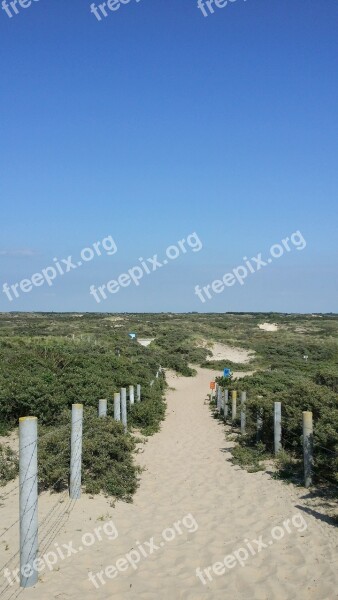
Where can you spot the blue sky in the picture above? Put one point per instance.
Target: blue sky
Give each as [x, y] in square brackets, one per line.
[157, 122]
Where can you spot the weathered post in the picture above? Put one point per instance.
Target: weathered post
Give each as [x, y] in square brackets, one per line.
[219, 398]
[76, 452]
[117, 407]
[226, 404]
[124, 407]
[222, 401]
[308, 447]
[102, 407]
[138, 393]
[234, 405]
[243, 415]
[131, 394]
[278, 426]
[28, 500]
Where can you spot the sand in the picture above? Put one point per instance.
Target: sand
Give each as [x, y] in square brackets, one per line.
[188, 472]
[226, 352]
[268, 326]
[145, 342]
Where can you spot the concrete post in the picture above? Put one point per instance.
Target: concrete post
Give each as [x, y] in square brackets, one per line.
[102, 407]
[28, 500]
[308, 447]
[278, 426]
[219, 398]
[226, 404]
[222, 401]
[234, 405]
[243, 415]
[117, 407]
[124, 407]
[131, 394]
[76, 452]
[138, 393]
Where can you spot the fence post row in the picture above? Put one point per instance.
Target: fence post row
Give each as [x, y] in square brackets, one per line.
[76, 452]
[28, 500]
[222, 403]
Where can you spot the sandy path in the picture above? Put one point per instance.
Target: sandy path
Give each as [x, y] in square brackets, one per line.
[188, 472]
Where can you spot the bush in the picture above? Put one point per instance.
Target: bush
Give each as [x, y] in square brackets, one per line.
[107, 457]
[9, 464]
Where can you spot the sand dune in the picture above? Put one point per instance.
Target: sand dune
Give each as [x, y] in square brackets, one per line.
[188, 473]
[268, 326]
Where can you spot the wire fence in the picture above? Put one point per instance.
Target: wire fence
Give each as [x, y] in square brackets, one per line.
[51, 523]
[261, 424]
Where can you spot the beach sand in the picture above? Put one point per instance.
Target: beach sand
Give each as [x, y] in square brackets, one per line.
[188, 473]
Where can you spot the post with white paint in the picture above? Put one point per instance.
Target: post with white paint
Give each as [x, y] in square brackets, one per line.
[131, 395]
[117, 407]
[278, 426]
[138, 393]
[76, 452]
[234, 405]
[308, 447]
[243, 415]
[28, 500]
[124, 407]
[102, 407]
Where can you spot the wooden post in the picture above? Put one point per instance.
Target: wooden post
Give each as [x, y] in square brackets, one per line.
[278, 426]
[308, 447]
[243, 415]
[234, 405]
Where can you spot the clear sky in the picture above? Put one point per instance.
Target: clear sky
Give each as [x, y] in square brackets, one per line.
[157, 122]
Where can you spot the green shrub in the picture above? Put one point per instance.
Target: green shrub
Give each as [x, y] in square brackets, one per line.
[9, 464]
[107, 456]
